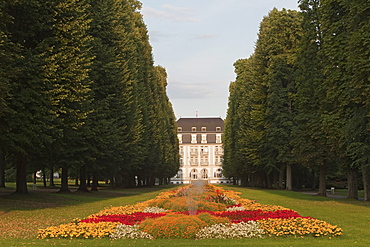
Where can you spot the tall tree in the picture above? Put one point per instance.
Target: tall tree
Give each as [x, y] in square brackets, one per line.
[311, 143]
[345, 38]
[26, 121]
[67, 65]
[5, 73]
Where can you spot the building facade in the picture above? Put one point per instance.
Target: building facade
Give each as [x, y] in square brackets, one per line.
[201, 151]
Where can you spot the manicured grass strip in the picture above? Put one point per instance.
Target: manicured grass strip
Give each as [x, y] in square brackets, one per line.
[21, 218]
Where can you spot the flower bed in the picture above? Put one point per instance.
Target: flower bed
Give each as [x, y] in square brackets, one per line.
[196, 213]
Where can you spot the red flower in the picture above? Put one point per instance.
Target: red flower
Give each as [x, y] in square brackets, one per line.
[126, 219]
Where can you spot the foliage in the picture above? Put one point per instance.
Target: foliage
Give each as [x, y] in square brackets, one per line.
[187, 224]
[126, 219]
[173, 226]
[300, 227]
[240, 230]
[79, 91]
[129, 232]
[300, 103]
[80, 230]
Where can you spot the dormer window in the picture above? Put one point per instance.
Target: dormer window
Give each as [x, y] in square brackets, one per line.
[218, 138]
[193, 129]
[179, 129]
[193, 138]
[218, 129]
[204, 129]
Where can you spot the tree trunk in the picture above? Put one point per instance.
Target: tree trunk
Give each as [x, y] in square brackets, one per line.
[21, 177]
[83, 184]
[44, 177]
[275, 182]
[366, 180]
[34, 179]
[353, 183]
[88, 180]
[2, 169]
[313, 184]
[51, 181]
[112, 183]
[322, 181]
[281, 176]
[95, 182]
[64, 180]
[289, 182]
[268, 181]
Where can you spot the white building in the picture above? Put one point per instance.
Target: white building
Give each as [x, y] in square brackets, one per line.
[201, 150]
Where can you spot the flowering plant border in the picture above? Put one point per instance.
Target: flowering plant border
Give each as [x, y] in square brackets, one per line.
[242, 218]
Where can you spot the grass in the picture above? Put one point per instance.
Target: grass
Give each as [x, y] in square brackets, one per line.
[22, 215]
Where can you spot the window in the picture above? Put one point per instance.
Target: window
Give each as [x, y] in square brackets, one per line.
[181, 150]
[204, 129]
[218, 160]
[193, 150]
[203, 149]
[218, 173]
[204, 138]
[179, 129]
[204, 174]
[218, 129]
[194, 161]
[218, 150]
[194, 174]
[218, 138]
[193, 138]
[193, 129]
[179, 174]
[204, 161]
[180, 138]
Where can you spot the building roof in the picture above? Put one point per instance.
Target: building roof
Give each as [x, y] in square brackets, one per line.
[211, 123]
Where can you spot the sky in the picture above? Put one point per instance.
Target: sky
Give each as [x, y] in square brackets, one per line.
[198, 41]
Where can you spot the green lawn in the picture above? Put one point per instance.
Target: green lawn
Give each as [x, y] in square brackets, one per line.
[22, 215]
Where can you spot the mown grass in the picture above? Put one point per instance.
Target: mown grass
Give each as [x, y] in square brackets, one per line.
[22, 215]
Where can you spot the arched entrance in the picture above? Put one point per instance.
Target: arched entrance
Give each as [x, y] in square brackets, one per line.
[194, 174]
[204, 174]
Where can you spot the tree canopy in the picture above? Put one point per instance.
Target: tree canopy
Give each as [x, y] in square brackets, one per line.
[80, 92]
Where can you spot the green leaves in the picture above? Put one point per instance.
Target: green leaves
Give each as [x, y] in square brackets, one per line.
[78, 86]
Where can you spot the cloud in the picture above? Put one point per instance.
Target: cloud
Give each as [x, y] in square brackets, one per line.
[206, 36]
[171, 12]
[182, 10]
[157, 35]
[189, 90]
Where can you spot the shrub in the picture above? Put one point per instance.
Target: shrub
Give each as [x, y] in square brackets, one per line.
[212, 220]
[299, 226]
[173, 226]
[79, 230]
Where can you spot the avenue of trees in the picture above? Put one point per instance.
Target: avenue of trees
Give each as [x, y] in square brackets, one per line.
[79, 93]
[300, 105]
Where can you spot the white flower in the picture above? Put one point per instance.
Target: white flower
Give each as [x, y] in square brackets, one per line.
[235, 209]
[154, 210]
[248, 229]
[129, 232]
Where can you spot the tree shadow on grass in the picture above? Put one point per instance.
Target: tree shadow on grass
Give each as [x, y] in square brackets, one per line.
[298, 195]
[50, 198]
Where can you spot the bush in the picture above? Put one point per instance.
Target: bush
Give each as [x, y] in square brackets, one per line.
[173, 226]
[212, 220]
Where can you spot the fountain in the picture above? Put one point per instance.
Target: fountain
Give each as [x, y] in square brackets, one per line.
[193, 195]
